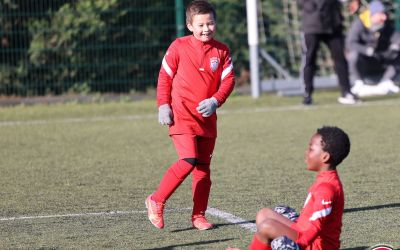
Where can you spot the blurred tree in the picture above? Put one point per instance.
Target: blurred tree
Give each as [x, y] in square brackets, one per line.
[101, 44]
[15, 16]
[85, 45]
[232, 29]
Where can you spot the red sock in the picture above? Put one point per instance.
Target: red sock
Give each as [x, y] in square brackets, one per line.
[257, 244]
[171, 180]
[201, 185]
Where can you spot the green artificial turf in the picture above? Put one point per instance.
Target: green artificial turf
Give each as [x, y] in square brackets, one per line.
[71, 161]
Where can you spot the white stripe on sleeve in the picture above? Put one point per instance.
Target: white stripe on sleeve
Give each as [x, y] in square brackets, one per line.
[321, 213]
[226, 71]
[167, 68]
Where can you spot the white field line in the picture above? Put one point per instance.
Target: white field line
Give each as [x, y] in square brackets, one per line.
[220, 112]
[80, 120]
[93, 214]
[212, 211]
[232, 219]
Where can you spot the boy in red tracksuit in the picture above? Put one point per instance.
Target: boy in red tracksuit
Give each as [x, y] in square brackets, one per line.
[196, 77]
[319, 225]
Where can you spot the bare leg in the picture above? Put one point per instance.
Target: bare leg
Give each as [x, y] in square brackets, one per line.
[271, 225]
[271, 229]
[267, 213]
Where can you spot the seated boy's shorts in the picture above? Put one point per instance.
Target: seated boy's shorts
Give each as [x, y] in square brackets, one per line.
[284, 243]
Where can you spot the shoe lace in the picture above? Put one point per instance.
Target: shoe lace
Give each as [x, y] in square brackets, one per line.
[160, 208]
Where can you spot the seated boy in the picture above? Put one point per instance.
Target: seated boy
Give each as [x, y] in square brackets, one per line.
[320, 221]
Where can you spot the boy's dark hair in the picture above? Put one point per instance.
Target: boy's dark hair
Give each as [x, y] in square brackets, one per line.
[336, 142]
[199, 7]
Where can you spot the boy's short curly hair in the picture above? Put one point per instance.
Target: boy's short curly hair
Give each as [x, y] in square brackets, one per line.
[199, 7]
[336, 142]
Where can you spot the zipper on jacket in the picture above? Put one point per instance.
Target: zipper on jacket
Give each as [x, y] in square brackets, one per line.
[202, 58]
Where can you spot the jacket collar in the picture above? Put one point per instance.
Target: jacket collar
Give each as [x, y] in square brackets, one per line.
[197, 42]
[327, 174]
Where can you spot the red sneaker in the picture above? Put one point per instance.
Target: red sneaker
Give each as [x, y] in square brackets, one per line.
[200, 222]
[155, 212]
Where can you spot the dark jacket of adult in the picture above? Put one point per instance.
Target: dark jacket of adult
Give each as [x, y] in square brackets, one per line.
[321, 16]
[360, 36]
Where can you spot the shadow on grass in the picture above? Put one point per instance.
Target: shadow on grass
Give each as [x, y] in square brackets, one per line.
[358, 209]
[217, 225]
[199, 243]
[347, 210]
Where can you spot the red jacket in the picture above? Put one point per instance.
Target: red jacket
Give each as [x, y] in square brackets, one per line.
[192, 71]
[320, 221]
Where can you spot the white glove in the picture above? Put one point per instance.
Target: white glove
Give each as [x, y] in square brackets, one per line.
[207, 107]
[370, 51]
[165, 115]
[394, 47]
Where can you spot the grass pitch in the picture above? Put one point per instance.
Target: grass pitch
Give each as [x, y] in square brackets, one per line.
[75, 176]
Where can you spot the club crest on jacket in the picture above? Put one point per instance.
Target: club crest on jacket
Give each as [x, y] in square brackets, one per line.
[214, 62]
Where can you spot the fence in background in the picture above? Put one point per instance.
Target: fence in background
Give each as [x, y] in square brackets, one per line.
[54, 47]
[63, 46]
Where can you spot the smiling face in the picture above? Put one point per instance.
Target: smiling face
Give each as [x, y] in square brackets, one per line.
[315, 156]
[203, 27]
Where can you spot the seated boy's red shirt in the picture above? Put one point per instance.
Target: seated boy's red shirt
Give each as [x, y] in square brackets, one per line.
[320, 222]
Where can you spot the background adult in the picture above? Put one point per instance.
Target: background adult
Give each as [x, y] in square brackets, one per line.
[322, 21]
[373, 47]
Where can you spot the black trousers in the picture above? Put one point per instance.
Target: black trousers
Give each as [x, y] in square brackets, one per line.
[310, 47]
[381, 67]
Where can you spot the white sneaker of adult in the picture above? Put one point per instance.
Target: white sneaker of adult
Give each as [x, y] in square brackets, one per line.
[348, 98]
[366, 90]
[358, 85]
[389, 86]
